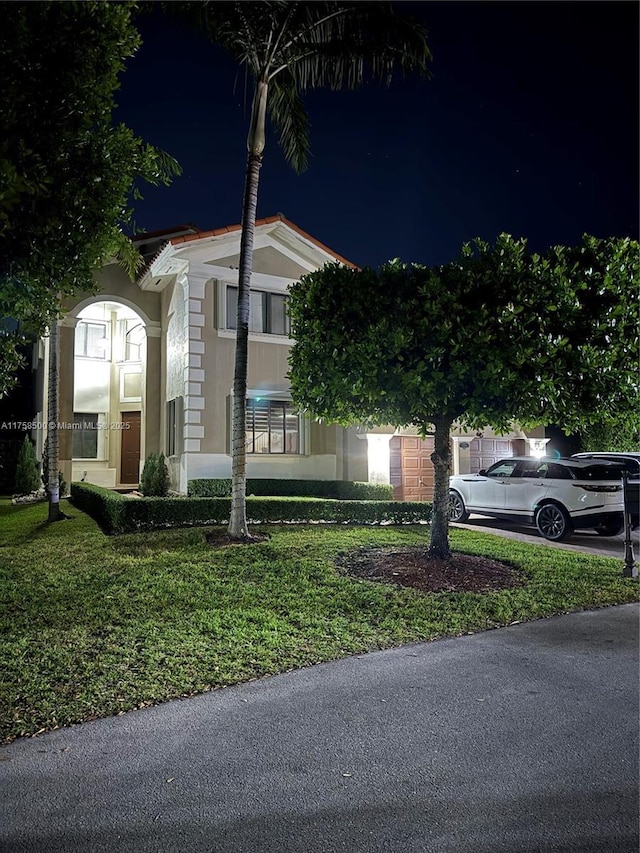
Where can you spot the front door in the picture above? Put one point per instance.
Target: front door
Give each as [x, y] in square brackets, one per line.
[130, 456]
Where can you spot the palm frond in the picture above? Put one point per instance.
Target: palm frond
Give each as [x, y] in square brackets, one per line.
[296, 46]
[356, 41]
[287, 112]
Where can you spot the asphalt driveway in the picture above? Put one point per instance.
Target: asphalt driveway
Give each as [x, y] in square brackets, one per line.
[585, 541]
[518, 739]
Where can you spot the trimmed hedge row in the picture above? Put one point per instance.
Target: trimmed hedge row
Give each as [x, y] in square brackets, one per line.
[119, 514]
[265, 487]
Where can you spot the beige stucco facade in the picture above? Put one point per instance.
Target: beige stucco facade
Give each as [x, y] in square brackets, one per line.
[148, 368]
[184, 365]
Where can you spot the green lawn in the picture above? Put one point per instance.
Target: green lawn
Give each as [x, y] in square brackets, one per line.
[95, 625]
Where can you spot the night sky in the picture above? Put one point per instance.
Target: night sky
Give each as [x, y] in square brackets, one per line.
[529, 125]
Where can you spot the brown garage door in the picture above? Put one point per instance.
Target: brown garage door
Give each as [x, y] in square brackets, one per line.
[410, 468]
[485, 451]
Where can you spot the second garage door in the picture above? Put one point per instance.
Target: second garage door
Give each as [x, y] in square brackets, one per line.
[485, 451]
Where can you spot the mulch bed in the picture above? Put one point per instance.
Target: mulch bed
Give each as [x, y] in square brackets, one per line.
[413, 567]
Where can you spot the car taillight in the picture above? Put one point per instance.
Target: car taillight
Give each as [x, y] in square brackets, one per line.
[592, 488]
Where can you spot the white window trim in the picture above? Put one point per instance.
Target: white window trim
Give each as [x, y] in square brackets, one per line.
[259, 337]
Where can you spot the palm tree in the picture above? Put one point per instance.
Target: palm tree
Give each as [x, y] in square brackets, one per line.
[288, 47]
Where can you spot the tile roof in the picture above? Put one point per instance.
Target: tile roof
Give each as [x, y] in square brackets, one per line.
[279, 217]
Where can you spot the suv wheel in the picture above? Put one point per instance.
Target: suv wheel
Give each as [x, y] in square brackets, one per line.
[457, 509]
[612, 527]
[553, 522]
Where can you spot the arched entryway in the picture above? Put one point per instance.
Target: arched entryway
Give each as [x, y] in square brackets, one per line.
[109, 370]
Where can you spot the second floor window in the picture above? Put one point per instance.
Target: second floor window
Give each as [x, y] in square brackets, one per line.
[267, 313]
[91, 340]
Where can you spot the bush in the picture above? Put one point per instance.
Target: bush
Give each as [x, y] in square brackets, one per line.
[27, 469]
[106, 507]
[215, 488]
[118, 514]
[264, 487]
[62, 485]
[155, 476]
[620, 436]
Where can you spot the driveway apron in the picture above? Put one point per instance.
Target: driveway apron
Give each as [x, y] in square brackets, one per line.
[518, 739]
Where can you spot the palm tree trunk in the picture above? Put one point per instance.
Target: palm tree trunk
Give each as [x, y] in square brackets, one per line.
[441, 458]
[238, 528]
[53, 416]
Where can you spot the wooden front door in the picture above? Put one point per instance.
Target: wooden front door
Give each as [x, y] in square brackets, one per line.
[130, 451]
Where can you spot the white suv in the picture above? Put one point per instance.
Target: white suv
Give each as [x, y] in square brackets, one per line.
[558, 495]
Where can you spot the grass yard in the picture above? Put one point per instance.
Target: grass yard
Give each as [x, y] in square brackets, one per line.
[95, 625]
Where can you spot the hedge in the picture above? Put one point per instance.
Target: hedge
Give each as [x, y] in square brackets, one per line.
[119, 514]
[264, 487]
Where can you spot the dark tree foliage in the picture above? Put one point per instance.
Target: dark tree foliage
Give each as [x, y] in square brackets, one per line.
[66, 172]
[497, 335]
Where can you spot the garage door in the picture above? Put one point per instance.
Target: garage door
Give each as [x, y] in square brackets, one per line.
[485, 451]
[410, 468]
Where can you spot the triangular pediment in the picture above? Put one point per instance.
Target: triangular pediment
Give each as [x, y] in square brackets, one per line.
[281, 249]
[268, 261]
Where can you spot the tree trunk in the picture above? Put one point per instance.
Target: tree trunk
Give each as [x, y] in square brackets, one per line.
[53, 416]
[238, 520]
[441, 458]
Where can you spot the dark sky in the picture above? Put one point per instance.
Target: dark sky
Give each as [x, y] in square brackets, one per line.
[529, 125]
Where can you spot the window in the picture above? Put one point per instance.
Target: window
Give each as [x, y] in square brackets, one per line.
[502, 469]
[173, 415]
[85, 436]
[132, 334]
[273, 426]
[92, 340]
[267, 311]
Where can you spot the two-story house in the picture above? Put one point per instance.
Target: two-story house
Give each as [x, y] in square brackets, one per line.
[148, 367]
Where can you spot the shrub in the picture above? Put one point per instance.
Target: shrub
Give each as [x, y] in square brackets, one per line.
[265, 487]
[62, 485]
[622, 436]
[155, 476]
[119, 514]
[148, 476]
[106, 507]
[161, 483]
[213, 488]
[27, 469]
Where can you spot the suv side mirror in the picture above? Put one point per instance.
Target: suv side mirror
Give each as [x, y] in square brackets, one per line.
[482, 472]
